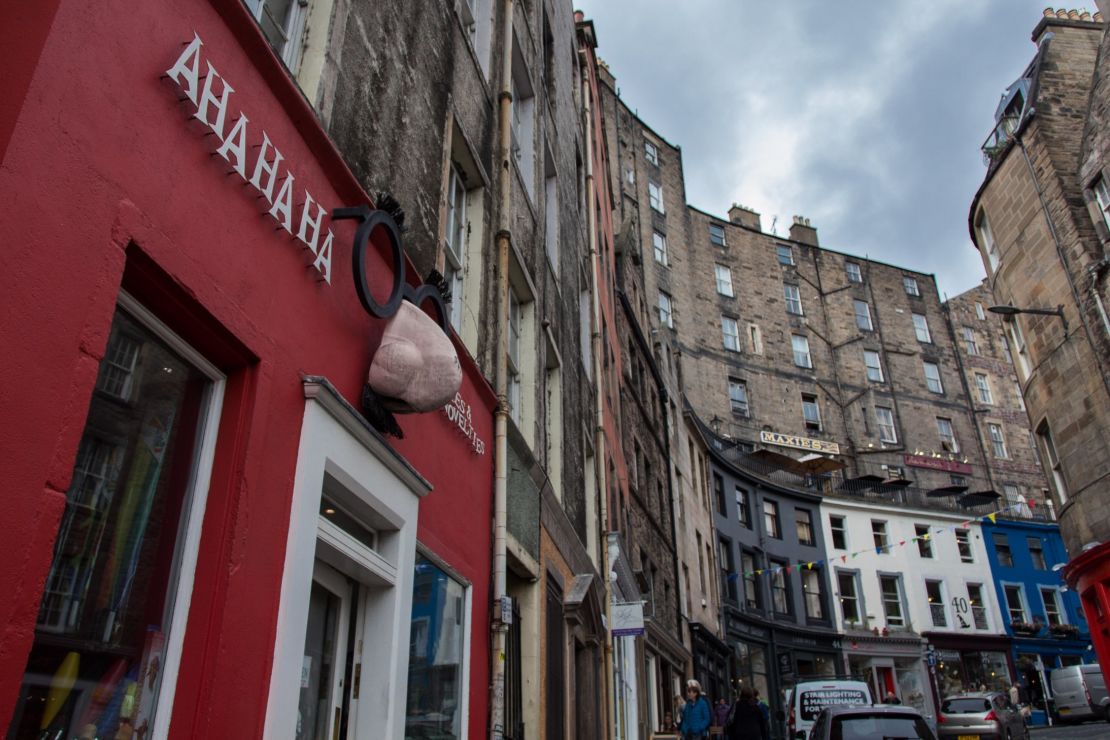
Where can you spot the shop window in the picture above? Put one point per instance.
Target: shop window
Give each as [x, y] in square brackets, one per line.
[978, 606]
[110, 626]
[924, 540]
[771, 519]
[436, 653]
[890, 588]
[1002, 549]
[849, 597]
[839, 532]
[934, 593]
[963, 544]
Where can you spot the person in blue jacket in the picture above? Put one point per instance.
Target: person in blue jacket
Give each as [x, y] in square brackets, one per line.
[695, 715]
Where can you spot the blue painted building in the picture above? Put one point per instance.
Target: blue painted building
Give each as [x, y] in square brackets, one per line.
[1044, 619]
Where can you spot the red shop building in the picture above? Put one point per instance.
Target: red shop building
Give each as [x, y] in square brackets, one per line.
[203, 535]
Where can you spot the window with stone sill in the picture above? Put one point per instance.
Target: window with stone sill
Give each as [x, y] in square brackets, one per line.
[947, 435]
[659, 247]
[803, 524]
[717, 234]
[932, 377]
[890, 588]
[723, 275]
[785, 254]
[863, 315]
[910, 286]
[874, 365]
[853, 272]
[921, 328]
[998, 441]
[1102, 198]
[655, 197]
[282, 23]
[879, 534]
[811, 412]
[730, 333]
[963, 545]
[978, 607]
[793, 298]
[651, 153]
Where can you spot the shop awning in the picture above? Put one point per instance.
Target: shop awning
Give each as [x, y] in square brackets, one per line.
[860, 483]
[944, 491]
[814, 463]
[777, 460]
[978, 498]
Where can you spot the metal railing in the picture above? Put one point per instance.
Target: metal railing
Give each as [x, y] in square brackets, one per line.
[999, 137]
[845, 484]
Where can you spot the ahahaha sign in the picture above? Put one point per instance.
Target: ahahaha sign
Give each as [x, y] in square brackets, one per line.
[800, 443]
[813, 701]
[245, 151]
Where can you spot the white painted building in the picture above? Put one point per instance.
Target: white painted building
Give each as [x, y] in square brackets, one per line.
[910, 582]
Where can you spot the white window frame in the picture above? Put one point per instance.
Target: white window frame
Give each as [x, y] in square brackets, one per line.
[874, 364]
[454, 246]
[982, 606]
[884, 419]
[1021, 597]
[1044, 433]
[730, 334]
[719, 230]
[659, 247]
[880, 535]
[929, 381]
[193, 508]
[898, 592]
[802, 357]
[785, 254]
[921, 328]
[863, 318]
[833, 529]
[811, 412]
[852, 270]
[655, 197]
[941, 602]
[516, 331]
[1024, 364]
[909, 284]
[1057, 604]
[292, 28]
[1102, 198]
[986, 238]
[666, 310]
[793, 297]
[963, 541]
[739, 397]
[983, 389]
[723, 276]
[970, 345]
[979, 314]
[998, 440]
[947, 434]
[336, 441]
[651, 153]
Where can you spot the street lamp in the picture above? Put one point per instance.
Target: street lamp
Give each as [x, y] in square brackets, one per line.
[1014, 310]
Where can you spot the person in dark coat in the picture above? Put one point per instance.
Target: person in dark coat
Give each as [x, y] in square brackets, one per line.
[748, 722]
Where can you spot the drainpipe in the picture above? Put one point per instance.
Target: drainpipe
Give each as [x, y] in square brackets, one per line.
[501, 414]
[975, 415]
[599, 389]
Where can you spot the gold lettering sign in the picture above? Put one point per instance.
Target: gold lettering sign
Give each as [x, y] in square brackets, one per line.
[800, 443]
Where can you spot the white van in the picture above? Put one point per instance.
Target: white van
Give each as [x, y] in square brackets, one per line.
[1079, 692]
[810, 697]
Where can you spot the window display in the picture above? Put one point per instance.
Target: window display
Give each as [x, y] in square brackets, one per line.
[435, 655]
[95, 667]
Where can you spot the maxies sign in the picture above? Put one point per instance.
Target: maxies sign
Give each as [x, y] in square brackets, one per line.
[416, 367]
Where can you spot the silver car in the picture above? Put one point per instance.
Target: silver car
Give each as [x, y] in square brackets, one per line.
[981, 716]
[868, 723]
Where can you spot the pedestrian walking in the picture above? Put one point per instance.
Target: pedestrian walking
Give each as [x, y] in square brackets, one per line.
[748, 720]
[695, 715]
[720, 713]
[766, 710]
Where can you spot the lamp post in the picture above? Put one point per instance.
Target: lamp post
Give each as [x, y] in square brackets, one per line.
[1014, 310]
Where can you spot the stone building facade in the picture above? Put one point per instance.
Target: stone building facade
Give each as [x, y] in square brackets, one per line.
[1004, 437]
[1038, 223]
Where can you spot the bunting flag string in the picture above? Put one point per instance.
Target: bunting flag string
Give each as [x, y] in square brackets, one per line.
[879, 549]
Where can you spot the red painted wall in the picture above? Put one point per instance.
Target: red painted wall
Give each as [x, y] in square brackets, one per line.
[108, 182]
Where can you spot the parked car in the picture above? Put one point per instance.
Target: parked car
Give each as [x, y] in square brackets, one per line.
[868, 723]
[981, 716]
[810, 697]
[1079, 692]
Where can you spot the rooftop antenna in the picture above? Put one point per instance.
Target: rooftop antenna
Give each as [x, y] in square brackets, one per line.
[774, 223]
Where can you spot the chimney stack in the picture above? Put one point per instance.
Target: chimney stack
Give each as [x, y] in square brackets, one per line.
[744, 216]
[802, 231]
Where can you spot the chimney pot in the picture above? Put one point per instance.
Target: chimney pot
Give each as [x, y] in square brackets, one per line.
[1073, 14]
[1049, 13]
[1061, 13]
[1098, 17]
[1085, 16]
[744, 216]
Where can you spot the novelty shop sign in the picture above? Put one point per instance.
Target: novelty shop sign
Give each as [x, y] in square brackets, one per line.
[416, 367]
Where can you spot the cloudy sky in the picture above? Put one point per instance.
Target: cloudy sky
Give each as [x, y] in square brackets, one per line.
[865, 116]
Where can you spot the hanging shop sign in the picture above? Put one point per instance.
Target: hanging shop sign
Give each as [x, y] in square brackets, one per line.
[239, 144]
[628, 619]
[937, 463]
[799, 443]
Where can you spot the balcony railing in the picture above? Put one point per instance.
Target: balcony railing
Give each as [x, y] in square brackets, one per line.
[847, 485]
[999, 137]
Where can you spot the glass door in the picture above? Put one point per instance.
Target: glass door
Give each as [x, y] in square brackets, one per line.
[325, 676]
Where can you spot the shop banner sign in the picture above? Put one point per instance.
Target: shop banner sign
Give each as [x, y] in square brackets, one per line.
[937, 463]
[628, 619]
